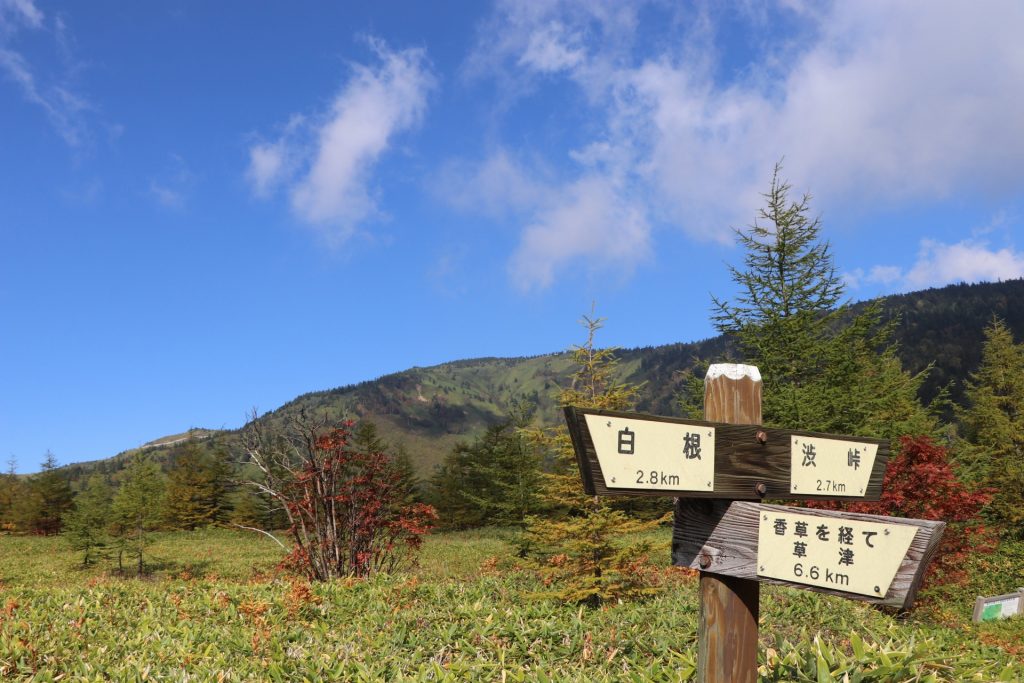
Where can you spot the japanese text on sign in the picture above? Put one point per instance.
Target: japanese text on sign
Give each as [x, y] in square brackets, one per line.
[842, 554]
[830, 467]
[648, 454]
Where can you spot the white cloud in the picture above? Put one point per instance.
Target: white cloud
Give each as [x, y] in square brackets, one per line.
[941, 264]
[20, 11]
[883, 104]
[175, 182]
[272, 163]
[167, 197]
[498, 186]
[266, 165]
[870, 102]
[595, 218]
[885, 275]
[967, 261]
[326, 168]
[592, 219]
[64, 108]
[551, 49]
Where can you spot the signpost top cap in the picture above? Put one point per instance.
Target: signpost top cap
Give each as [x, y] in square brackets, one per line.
[733, 371]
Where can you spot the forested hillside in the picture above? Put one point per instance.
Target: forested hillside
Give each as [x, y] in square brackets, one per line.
[427, 411]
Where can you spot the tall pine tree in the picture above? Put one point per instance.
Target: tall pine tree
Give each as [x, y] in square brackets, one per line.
[993, 425]
[824, 368]
[495, 479]
[86, 527]
[44, 500]
[11, 490]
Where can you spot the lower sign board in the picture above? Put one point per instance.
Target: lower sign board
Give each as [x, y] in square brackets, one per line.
[876, 559]
[847, 554]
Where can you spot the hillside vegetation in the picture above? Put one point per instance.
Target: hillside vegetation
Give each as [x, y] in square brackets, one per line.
[428, 410]
[216, 609]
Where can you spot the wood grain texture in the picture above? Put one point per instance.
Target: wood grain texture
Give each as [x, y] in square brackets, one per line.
[741, 461]
[730, 607]
[726, 533]
[732, 400]
[728, 641]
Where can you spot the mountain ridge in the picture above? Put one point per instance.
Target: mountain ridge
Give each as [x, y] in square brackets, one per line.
[427, 410]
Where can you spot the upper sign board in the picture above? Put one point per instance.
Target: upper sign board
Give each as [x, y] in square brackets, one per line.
[658, 456]
[625, 453]
[830, 467]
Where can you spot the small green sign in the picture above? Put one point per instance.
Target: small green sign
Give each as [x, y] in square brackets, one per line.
[992, 612]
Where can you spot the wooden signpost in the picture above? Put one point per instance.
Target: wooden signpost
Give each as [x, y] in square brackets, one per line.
[716, 468]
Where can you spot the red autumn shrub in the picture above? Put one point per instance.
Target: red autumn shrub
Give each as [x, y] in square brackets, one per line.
[347, 513]
[920, 483]
[348, 508]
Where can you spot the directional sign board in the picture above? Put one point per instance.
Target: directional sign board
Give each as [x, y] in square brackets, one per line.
[847, 554]
[622, 453]
[863, 557]
[653, 455]
[830, 467]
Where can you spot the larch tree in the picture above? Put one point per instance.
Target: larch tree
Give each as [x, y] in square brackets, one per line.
[586, 547]
[137, 509]
[11, 490]
[44, 500]
[196, 487]
[495, 479]
[86, 527]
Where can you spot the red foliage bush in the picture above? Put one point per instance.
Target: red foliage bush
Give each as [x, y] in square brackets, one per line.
[920, 483]
[348, 516]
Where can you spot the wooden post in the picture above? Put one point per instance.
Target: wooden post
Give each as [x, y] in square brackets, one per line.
[729, 607]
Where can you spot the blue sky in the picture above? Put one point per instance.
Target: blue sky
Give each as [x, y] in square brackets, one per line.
[209, 207]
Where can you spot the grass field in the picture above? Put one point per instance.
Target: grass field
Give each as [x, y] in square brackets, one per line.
[215, 608]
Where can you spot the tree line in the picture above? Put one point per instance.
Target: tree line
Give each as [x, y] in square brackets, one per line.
[349, 501]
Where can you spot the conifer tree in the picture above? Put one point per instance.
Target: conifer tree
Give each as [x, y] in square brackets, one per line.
[11, 490]
[587, 557]
[495, 479]
[367, 440]
[44, 500]
[137, 509]
[249, 509]
[824, 368]
[86, 526]
[993, 425]
[456, 487]
[196, 487]
[514, 470]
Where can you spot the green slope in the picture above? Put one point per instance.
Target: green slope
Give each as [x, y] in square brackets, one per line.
[428, 410]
